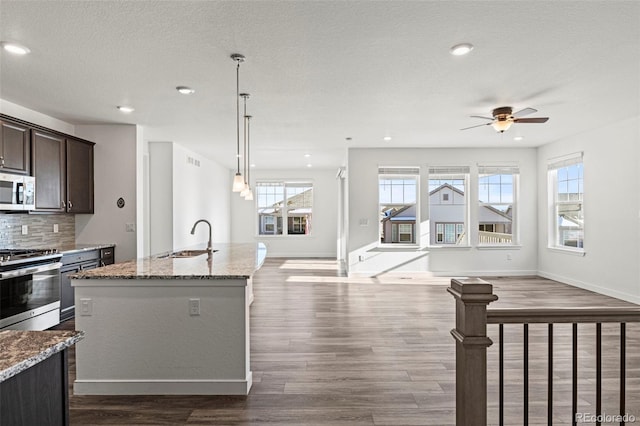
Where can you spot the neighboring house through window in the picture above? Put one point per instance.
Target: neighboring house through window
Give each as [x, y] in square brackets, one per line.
[566, 192]
[284, 207]
[448, 207]
[497, 189]
[397, 195]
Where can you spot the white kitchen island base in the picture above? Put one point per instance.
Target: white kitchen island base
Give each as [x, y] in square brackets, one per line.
[145, 339]
[163, 335]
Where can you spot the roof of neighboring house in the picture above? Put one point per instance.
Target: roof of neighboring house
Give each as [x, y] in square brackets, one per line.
[392, 214]
[446, 185]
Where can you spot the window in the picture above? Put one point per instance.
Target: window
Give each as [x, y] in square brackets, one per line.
[566, 189]
[282, 203]
[397, 194]
[497, 189]
[448, 207]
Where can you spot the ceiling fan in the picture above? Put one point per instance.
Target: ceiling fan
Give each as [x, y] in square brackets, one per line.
[504, 117]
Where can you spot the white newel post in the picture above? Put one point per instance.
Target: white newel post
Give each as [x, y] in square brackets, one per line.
[472, 297]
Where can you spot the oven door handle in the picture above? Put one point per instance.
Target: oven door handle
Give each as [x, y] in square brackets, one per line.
[30, 271]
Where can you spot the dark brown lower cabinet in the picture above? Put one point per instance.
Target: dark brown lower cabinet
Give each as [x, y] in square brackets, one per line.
[37, 395]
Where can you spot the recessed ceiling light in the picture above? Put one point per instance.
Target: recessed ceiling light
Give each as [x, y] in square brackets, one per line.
[347, 139]
[15, 48]
[185, 90]
[387, 138]
[518, 138]
[461, 49]
[126, 109]
[252, 165]
[307, 155]
[309, 165]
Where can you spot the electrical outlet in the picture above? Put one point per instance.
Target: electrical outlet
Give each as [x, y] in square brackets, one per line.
[55, 227]
[130, 227]
[508, 256]
[25, 229]
[194, 307]
[86, 307]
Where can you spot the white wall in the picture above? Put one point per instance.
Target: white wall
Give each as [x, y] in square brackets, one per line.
[185, 187]
[323, 240]
[367, 258]
[611, 212]
[114, 177]
[35, 117]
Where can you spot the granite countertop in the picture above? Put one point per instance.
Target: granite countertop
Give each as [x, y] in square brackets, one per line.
[20, 350]
[75, 248]
[230, 261]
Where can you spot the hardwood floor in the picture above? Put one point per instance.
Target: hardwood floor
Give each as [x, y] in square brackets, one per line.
[328, 350]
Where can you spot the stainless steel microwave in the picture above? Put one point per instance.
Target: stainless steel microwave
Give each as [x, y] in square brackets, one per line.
[17, 193]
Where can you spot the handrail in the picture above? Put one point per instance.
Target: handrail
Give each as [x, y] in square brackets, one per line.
[549, 315]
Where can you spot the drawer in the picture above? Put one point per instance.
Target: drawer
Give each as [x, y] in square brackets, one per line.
[82, 256]
[107, 255]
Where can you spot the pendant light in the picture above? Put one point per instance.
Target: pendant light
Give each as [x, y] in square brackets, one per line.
[245, 189]
[238, 181]
[249, 195]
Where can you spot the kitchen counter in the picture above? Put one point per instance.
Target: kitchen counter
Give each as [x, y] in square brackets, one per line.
[34, 376]
[230, 261]
[77, 248]
[20, 350]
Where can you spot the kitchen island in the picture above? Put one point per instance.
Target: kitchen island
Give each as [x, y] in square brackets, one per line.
[167, 324]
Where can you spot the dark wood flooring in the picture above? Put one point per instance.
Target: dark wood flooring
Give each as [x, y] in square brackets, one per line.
[329, 350]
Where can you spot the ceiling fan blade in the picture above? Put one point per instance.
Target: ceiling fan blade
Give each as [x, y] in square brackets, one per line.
[477, 125]
[479, 116]
[531, 120]
[525, 111]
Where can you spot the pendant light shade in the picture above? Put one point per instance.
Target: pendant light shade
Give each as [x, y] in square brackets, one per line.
[238, 180]
[249, 193]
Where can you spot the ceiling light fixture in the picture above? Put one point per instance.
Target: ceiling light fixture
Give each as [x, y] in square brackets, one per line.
[249, 195]
[501, 125]
[461, 49]
[387, 138]
[185, 90]
[307, 155]
[245, 189]
[518, 138]
[15, 48]
[126, 109]
[309, 165]
[238, 181]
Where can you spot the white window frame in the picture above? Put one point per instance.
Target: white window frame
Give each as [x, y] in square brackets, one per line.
[450, 173]
[401, 172]
[284, 216]
[553, 166]
[501, 169]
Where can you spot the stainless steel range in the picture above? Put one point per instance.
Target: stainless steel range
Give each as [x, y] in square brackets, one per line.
[29, 289]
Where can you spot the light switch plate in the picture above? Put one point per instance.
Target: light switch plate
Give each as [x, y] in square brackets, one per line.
[130, 227]
[25, 229]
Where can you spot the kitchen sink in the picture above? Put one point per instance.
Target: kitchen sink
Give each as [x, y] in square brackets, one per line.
[187, 253]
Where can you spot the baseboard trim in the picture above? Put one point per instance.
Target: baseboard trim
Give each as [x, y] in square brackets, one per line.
[591, 287]
[163, 387]
[496, 273]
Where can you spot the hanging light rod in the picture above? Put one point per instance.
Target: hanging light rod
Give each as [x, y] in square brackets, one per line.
[238, 181]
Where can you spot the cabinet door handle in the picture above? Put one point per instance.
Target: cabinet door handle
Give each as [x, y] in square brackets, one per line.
[2, 161]
[64, 204]
[70, 205]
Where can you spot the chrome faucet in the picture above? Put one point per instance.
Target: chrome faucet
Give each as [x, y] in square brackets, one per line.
[193, 231]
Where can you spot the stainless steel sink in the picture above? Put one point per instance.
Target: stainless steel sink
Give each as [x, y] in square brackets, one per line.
[187, 253]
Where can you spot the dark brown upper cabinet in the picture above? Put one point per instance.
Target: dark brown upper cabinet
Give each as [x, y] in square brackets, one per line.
[79, 176]
[14, 148]
[63, 168]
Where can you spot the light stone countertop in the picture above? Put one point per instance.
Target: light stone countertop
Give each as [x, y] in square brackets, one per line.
[230, 261]
[76, 248]
[20, 350]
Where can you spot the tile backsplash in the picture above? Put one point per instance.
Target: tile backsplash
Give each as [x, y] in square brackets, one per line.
[40, 230]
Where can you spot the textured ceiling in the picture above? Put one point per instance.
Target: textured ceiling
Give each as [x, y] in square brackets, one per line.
[321, 71]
